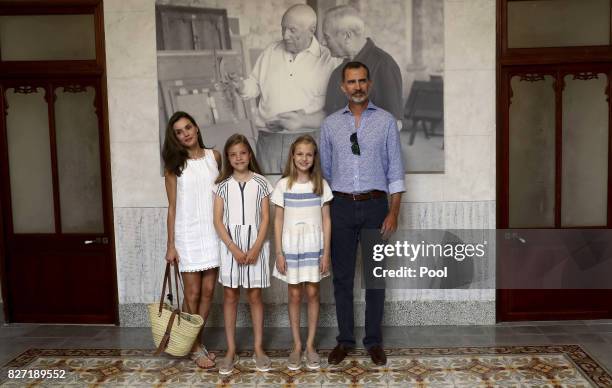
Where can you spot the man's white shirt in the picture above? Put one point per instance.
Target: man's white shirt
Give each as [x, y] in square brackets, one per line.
[285, 82]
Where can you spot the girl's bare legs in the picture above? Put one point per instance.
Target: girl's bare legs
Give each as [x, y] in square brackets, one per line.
[295, 300]
[230, 306]
[256, 304]
[312, 292]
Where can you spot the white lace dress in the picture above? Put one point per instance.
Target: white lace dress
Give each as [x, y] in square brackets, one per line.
[194, 233]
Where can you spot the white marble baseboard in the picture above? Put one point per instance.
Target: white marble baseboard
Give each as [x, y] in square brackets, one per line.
[397, 313]
[140, 240]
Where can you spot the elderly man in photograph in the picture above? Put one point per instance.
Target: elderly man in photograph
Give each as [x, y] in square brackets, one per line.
[361, 159]
[344, 32]
[290, 78]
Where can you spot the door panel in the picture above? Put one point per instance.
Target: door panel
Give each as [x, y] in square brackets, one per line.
[78, 161]
[59, 279]
[537, 305]
[554, 172]
[584, 179]
[29, 161]
[64, 272]
[532, 152]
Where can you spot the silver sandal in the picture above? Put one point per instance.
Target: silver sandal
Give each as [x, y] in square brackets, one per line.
[195, 356]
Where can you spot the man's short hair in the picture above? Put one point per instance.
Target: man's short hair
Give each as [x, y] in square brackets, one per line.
[355, 65]
[345, 18]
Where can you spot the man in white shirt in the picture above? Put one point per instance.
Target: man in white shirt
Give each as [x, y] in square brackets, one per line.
[290, 78]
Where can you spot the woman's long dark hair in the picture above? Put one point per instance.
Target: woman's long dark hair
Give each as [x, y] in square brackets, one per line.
[227, 169]
[174, 154]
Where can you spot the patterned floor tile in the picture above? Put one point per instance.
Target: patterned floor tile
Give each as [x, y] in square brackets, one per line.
[501, 366]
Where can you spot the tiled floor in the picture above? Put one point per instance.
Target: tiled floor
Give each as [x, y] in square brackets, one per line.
[594, 336]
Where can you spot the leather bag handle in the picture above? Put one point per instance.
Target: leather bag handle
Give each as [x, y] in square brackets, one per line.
[166, 279]
[163, 344]
[177, 276]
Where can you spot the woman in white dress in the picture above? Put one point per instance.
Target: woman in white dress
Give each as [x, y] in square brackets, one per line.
[190, 173]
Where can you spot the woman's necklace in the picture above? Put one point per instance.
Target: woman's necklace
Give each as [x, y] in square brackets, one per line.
[197, 154]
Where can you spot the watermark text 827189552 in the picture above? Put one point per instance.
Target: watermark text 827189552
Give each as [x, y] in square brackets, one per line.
[36, 374]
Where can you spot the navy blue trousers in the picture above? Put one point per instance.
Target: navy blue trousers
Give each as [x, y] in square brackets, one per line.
[349, 219]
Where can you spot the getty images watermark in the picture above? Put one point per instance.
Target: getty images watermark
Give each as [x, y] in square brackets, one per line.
[488, 259]
[422, 250]
[429, 259]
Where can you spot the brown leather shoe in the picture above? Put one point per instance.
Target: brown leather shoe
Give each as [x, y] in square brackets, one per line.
[338, 354]
[378, 355]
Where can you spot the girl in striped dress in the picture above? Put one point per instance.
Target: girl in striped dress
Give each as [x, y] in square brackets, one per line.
[302, 232]
[241, 217]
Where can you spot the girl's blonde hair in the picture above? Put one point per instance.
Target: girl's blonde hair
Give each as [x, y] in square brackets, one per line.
[316, 176]
[227, 169]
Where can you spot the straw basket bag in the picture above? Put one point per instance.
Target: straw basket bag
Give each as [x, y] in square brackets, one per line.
[173, 330]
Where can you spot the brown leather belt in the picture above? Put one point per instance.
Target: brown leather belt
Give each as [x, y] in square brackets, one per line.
[362, 196]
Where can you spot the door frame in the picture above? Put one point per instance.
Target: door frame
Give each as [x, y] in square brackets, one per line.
[509, 60]
[64, 69]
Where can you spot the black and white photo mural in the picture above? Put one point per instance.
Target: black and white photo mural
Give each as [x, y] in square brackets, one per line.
[270, 69]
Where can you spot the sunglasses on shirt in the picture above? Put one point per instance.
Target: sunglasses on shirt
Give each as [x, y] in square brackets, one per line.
[354, 144]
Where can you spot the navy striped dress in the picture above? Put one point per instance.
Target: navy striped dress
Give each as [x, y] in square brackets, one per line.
[242, 203]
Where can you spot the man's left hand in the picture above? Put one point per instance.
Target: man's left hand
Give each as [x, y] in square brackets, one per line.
[389, 226]
[291, 121]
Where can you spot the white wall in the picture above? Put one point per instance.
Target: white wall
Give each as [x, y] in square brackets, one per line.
[462, 197]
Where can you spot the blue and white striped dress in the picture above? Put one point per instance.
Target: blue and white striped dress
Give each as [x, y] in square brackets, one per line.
[302, 237]
[242, 204]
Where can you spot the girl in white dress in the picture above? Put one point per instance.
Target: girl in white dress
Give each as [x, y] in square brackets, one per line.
[190, 173]
[241, 217]
[302, 233]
